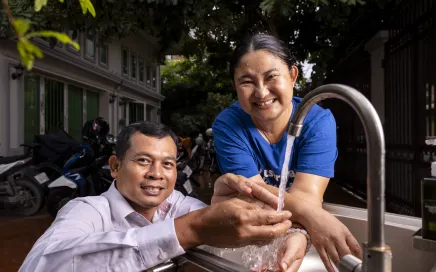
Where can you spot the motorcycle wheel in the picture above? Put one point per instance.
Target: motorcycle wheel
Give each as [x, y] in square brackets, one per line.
[57, 198]
[34, 197]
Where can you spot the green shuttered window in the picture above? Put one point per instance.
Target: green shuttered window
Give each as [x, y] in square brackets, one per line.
[31, 108]
[54, 105]
[75, 111]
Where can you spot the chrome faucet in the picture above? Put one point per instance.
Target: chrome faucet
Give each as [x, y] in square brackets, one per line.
[377, 256]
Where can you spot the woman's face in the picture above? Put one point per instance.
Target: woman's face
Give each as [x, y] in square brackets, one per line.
[264, 84]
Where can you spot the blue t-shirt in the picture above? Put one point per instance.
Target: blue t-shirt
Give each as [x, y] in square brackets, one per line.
[242, 150]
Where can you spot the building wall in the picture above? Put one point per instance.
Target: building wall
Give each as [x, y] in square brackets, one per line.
[70, 67]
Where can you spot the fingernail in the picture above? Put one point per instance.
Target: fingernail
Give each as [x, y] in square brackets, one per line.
[284, 266]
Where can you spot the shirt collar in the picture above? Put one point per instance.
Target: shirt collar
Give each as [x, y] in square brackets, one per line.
[120, 208]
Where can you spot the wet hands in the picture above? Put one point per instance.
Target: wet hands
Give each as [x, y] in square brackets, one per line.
[236, 223]
[284, 254]
[331, 238]
[229, 186]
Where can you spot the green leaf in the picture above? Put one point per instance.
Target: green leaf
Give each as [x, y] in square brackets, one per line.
[62, 37]
[28, 51]
[21, 26]
[87, 6]
[39, 4]
[325, 2]
[61, 1]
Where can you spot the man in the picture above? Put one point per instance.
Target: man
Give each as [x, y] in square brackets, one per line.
[141, 221]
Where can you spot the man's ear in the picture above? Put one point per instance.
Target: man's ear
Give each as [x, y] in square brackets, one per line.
[114, 165]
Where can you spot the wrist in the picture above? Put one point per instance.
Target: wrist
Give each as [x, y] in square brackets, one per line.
[298, 229]
[187, 230]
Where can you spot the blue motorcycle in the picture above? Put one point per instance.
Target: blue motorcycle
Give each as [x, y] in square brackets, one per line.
[84, 173]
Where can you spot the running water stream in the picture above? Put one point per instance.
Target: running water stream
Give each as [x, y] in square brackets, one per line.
[285, 172]
[265, 258]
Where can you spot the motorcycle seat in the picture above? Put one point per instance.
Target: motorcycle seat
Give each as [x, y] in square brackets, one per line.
[11, 159]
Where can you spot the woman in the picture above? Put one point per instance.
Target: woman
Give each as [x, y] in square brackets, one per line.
[250, 140]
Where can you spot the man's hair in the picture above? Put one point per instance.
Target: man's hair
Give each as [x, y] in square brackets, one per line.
[148, 128]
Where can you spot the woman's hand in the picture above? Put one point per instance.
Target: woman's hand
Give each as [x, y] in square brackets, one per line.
[331, 238]
[229, 186]
[294, 252]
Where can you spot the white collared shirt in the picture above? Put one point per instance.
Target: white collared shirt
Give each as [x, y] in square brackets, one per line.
[104, 233]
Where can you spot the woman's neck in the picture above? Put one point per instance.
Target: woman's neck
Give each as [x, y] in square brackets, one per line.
[272, 130]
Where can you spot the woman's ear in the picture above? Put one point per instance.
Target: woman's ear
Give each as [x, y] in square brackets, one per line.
[294, 74]
[114, 165]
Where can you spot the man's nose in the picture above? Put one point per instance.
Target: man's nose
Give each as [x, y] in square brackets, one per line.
[155, 171]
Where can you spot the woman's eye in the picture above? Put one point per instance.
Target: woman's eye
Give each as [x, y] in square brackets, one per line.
[246, 82]
[271, 77]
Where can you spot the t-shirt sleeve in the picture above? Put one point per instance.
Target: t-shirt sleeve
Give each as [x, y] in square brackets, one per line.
[232, 150]
[318, 152]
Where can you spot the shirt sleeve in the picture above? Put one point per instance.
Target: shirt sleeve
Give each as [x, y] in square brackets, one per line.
[317, 152]
[77, 241]
[232, 152]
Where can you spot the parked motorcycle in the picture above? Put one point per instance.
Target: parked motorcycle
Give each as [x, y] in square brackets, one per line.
[85, 173]
[18, 192]
[50, 153]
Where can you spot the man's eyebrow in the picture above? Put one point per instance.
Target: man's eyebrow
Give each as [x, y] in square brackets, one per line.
[172, 158]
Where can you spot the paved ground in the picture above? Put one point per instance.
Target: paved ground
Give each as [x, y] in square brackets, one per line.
[18, 235]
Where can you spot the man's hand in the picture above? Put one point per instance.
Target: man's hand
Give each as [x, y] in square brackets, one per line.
[331, 238]
[229, 186]
[231, 223]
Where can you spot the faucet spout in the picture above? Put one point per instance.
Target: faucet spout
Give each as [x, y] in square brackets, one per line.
[377, 255]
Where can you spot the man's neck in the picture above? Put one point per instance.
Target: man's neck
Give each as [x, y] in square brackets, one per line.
[148, 213]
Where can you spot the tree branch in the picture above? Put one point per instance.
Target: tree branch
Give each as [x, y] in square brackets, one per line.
[8, 12]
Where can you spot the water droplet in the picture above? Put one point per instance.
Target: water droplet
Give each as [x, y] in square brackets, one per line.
[234, 249]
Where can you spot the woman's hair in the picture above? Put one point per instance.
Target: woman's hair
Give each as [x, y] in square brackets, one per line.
[265, 42]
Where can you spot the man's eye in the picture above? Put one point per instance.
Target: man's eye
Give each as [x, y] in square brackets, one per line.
[169, 164]
[142, 160]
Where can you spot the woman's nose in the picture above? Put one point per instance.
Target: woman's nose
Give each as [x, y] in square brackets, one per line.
[261, 91]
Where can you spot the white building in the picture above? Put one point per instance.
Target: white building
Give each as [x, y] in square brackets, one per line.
[120, 82]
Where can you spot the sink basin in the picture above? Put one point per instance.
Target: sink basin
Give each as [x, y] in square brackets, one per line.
[399, 232]
[311, 263]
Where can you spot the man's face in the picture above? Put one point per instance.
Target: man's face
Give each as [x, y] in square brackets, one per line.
[148, 173]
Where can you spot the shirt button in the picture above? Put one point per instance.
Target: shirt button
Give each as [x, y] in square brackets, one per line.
[162, 255]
